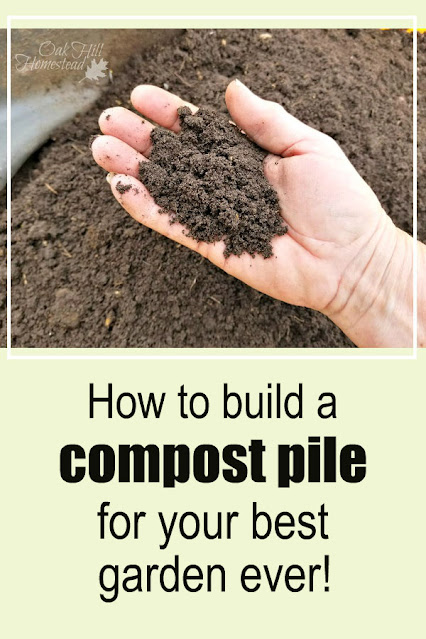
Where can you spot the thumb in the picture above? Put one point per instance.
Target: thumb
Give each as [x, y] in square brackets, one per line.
[267, 123]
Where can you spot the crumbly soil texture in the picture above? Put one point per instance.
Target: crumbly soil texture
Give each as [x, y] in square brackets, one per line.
[84, 274]
[210, 178]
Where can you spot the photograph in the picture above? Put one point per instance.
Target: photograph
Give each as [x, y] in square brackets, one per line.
[214, 188]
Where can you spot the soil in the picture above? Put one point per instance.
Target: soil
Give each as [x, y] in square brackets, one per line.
[86, 275]
[210, 178]
[122, 188]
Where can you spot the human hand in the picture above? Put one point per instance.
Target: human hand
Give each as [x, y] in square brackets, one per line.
[342, 255]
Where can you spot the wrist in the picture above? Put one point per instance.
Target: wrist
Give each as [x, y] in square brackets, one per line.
[374, 303]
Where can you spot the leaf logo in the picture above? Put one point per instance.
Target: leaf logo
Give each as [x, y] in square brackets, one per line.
[96, 70]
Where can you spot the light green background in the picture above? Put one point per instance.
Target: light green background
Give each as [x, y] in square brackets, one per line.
[51, 551]
[220, 8]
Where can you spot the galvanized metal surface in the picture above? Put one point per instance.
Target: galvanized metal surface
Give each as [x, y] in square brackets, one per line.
[50, 83]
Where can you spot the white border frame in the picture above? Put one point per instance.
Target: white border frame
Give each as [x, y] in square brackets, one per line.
[410, 19]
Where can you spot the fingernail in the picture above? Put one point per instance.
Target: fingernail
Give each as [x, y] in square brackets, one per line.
[239, 83]
[109, 177]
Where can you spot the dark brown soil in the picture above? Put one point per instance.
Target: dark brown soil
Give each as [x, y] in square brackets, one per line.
[122, 188]
[210, 178]
[85, 274]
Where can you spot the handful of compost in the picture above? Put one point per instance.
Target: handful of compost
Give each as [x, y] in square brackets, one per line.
[209, 177]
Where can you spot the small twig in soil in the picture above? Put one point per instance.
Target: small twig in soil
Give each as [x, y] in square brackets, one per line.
[64, 250]
[179, 77]
[76, 148]
[193, 284]
[50, 188]
[215, 299]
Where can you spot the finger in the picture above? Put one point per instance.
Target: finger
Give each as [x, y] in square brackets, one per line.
[268, 123]
[159, 105]
[257, 271]
[128, 127]
[135, 198]
[116, 156]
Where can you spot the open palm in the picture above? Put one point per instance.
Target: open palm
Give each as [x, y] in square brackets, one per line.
[334, 219]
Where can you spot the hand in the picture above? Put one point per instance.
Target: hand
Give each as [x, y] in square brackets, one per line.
[342, 254]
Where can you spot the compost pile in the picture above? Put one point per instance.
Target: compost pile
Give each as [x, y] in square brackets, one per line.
[84, 274]
[210, 178]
